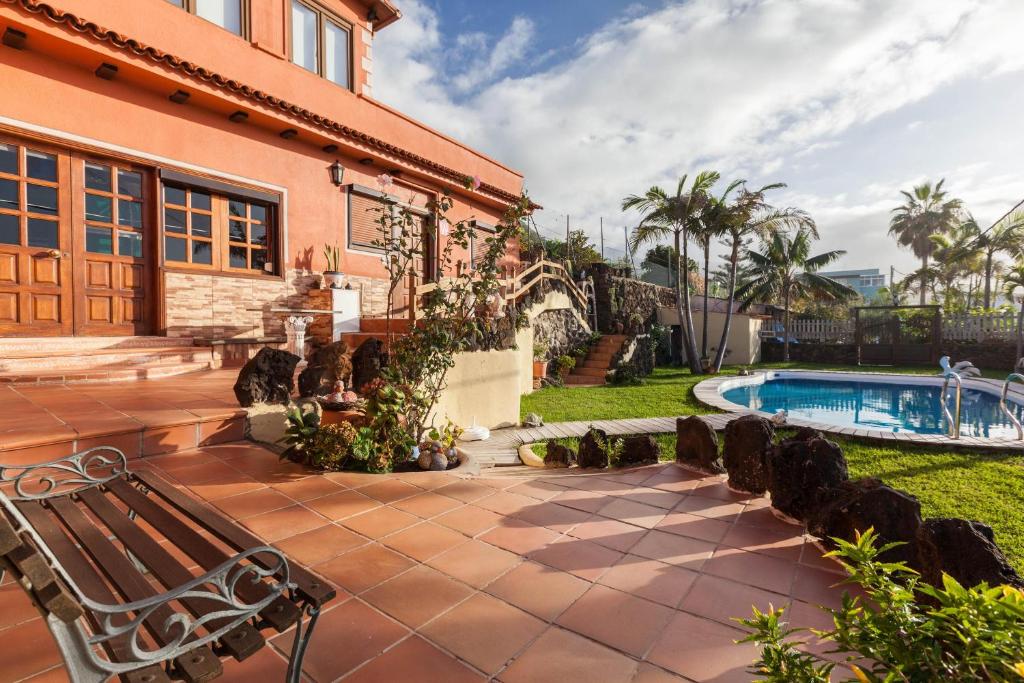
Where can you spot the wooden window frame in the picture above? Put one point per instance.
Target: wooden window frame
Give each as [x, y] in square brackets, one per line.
[187, 236]
[22, 180]
[324, 15]
[270, 247]
[116, 196]
[244, 11]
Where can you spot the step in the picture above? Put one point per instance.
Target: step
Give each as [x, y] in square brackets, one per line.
[22, 347]
[590, 372]
[582, 381]
[605, 357]
[102, 359]
[603, 364]
[380, 325]
[120, 374]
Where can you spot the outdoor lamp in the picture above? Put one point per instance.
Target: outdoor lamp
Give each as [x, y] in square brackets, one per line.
[337, 172]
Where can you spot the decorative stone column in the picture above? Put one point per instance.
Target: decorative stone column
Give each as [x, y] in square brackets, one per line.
[295, 331]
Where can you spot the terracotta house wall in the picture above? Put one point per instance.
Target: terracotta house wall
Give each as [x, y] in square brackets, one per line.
[50, 92]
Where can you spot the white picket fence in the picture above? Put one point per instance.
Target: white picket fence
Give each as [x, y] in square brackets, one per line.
[987, 327]
[977, 328]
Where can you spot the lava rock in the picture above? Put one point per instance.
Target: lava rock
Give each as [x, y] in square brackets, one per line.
[424, 459]
[559, 455]
[533, 420]
[592, 452]
[438, 462]
[639, 449]
[697, 444]
[856, 506]
[748, 442]
[799, 472]
[327, 365]
[367, 360]
[806, 434]
[965, 550]
[268, 377]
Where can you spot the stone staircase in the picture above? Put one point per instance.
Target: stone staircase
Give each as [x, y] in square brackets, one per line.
[591, 372]
[62, 360]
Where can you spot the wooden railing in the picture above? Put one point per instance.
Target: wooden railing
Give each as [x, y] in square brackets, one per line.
[511, 288]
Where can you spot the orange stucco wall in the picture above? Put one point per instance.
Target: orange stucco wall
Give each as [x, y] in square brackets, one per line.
[51, 85]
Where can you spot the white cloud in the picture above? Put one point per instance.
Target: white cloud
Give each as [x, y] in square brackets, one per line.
[768, 89]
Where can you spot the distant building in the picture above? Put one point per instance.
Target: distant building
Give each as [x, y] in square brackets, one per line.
[867, 281]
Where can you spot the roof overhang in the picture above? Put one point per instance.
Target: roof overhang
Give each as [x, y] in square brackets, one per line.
[382, 13]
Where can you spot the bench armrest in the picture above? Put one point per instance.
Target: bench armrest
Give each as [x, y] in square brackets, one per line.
[63, 476]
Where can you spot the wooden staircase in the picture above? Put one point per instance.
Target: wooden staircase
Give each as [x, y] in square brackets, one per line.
[592, 371]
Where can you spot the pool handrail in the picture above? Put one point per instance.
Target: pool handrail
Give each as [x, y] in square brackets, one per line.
[953, 420]
[1013, 376]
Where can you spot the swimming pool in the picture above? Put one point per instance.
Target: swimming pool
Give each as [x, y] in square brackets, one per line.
[883, 403]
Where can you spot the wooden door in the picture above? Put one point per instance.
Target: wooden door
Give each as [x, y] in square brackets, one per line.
[111, 241]
[35, 241]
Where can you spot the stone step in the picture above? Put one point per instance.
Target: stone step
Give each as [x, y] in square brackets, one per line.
[589, 372]
[30, 347]
[102, 359]
[119, 374]
[582, 380]
[603, 364]
[380, 325]
[599, 355]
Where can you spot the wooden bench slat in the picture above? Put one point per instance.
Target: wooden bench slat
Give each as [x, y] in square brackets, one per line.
[77, 567]
[197, 665]
[281, 614]
[169, 571]
[312, 587]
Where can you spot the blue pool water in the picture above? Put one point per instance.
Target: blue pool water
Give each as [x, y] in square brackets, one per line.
[873, 405]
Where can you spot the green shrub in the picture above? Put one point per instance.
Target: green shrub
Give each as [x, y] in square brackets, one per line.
[905, 630]
[331, 447]
[565, 364]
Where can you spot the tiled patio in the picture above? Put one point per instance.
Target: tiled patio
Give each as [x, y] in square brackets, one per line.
[521, 575]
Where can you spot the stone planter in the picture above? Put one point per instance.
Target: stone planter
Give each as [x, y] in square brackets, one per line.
[333, 278]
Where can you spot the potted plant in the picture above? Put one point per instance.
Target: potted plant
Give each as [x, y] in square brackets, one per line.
[333, 274]
[540, 365]
[564, 365]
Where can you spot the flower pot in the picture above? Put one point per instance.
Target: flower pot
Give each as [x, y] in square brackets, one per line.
[540, 369]
[333, 278]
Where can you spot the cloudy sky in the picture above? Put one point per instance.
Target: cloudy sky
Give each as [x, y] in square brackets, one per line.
[846, 101]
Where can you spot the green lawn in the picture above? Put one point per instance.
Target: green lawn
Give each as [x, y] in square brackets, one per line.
[988, 487]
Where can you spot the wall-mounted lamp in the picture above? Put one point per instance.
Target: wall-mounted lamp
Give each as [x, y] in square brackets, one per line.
[337, 173]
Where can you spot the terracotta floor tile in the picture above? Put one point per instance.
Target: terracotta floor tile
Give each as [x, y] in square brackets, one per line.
[723, 600]
[709, 507]
[818, 586]
[363, 568]
[712, 487]
[588, 501]
[380, 522]
[253, 503]
[694, 526]
[474, 562]
[656, 581]
[499, 483]
[342, 504]
[428, 481]
[210, 470]
[784, 543]
[345, 637]
[651, 496]
[414, 659]
[36, 651]
[648, 673]
[217, 489]
[703, 650]
[519, 537]
[619, 620]
[427, 505]
[279, 524]
[681, 551]
[538, 589]
[505, 503]
[353, 480]
[551, 515]
[417, 596]
[634, 513]
[680, 485]
[813, 556]
[560, 656]
[484, 631]
[390, 490]
[610, 533]
[582, 558]
[469, 520]
[465, 490]
[308, 488]
[423, 541]
[15, 606]
[320, 545]
[541, 490]
[760, 517]
[267, 664]
[755, 569]
[596, 483]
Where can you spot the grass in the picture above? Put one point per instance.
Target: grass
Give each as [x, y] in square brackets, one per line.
[987, 487]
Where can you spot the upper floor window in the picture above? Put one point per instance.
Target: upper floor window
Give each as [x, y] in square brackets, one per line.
[227, 14]
[321, 43]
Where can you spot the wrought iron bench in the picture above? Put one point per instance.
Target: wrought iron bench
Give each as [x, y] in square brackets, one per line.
[105, 555]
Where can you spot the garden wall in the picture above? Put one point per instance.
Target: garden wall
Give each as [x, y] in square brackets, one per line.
[743, 347]
[988, 356]
[619, 298]
[561, 329]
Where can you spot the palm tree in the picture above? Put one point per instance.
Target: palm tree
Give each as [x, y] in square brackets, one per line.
[1012, 281]
[663, 215]
[1007, 237]
[713, 223]
[748, 216]
[784, 269]
[956, 255]
[926, 212]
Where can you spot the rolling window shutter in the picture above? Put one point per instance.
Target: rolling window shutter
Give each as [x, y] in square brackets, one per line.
[363, 228]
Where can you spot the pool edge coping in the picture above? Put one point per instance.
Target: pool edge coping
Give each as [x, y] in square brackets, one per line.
[709, 392]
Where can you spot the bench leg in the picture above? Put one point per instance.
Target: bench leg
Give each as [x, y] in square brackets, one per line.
[75, 650]
[301, 642]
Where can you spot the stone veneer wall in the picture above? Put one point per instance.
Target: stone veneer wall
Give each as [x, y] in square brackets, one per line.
[618, 298]
[561, 330]
[217, 306]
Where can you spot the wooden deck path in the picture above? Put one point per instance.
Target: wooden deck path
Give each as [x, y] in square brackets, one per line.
[503, 446]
